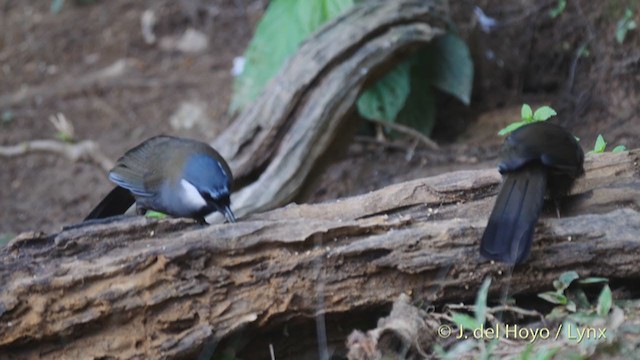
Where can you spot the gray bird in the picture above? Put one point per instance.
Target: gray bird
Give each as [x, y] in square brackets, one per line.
[175, 176]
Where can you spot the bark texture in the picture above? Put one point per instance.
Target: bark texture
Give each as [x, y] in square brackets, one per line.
[142, 288]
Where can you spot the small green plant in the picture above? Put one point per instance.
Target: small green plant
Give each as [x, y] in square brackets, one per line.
[528, 116]
[5, 238]
[572, 299]
[7, 117]
[56, 6]
[64, 128]
[625, 24]
[600, 146]
[470, 324]
[559, 9]
[583, 51]
[579, 325]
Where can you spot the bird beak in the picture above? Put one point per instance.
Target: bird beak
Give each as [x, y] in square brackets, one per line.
[226, 210]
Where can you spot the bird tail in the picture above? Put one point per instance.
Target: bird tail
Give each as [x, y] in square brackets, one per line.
[115, 203]
[509, 232]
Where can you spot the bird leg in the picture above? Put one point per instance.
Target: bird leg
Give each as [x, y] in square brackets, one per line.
[556, 202]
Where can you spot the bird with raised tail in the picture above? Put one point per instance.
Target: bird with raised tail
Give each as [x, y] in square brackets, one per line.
[175, 176]
[536, 158]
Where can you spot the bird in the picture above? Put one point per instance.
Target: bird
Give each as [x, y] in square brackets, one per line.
[176, 176]
[537, 158]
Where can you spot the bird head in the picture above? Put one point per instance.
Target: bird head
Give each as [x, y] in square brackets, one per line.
[212, 179]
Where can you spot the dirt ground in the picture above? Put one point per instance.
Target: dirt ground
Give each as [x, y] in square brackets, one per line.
[49, 64]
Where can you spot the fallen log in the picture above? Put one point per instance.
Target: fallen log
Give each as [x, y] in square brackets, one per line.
[146, 288]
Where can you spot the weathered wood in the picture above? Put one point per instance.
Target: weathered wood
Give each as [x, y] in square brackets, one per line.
[275, 143]
[143, 288]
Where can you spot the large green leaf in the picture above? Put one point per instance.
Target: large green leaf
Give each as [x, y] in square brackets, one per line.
[405, 95]
[452, 67]
[419, 111]
[282, 28]
[385, 98]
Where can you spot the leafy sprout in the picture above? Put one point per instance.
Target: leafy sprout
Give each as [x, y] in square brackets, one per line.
[528, 116]
[601, 145]
[573, 299]
[625, 24]
[559, 9]
[468, 322]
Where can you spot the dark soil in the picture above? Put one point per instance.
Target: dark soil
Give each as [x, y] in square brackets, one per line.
[528, 58]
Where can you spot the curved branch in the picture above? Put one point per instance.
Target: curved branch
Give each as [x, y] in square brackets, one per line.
[85, 150]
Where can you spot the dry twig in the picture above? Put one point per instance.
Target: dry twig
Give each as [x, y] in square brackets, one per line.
[85, 150]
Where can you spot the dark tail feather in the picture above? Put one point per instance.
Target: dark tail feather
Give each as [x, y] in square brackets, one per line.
[508, 235]
[115, 203]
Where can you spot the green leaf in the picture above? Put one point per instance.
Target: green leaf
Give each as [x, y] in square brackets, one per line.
[558, 312]
[155, 215]
[565, 279]
[465, 321]
[593, 280]
[544, 113]
[600, 145]
[559, 9]
[624, 25]
[580, 298]
[7, 117]
[386, 97]
[526, 113]
[285, 24]
[452, 67]
[461, 348]
[419, 111]
[526, 353]
[582, 317]
[571, 306]
[604, 301]
[511, 127]
[619, 148]
[546, 353]
[56, 6]
[5, 238]
[64, 137]
[481, 301]
[553, 297]
[440, 352]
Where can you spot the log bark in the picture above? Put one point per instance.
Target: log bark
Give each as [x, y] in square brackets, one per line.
[144, 288]
[274, 144]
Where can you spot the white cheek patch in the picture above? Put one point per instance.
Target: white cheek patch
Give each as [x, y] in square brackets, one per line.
[191, 196]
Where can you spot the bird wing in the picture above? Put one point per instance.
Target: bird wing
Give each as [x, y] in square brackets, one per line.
[132, 170]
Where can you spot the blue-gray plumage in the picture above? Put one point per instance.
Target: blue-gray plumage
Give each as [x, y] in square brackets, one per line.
[176, 176]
